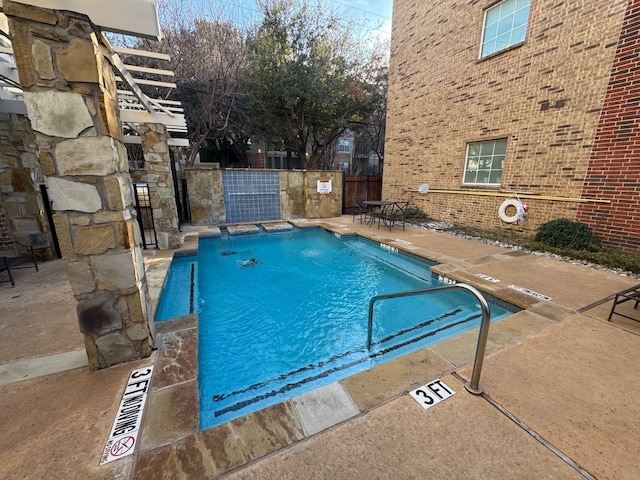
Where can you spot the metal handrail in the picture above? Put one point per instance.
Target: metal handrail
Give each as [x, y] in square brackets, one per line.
[473, 385]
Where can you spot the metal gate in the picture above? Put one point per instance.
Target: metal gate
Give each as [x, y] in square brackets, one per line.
[180, 194]
[145, 215]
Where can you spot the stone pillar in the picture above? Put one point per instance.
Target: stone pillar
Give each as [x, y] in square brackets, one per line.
[19, 179]
[206, 194]
[70, 94]
[157, 163]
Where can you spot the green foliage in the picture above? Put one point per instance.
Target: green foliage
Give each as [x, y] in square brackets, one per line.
[564, 233]
[416, 213]
[306, 88]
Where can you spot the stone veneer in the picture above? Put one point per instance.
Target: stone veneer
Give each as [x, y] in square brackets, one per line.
[299, 197]
[23, 211]
[70, 95]
[160, 181]
[206, 197]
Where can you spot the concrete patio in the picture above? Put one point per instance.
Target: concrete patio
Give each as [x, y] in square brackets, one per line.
[560, 401]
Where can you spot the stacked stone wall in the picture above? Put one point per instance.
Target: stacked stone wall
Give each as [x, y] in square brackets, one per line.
[71, 99]
[19, 178]
[323, 205]
[614, 169]
[206, 195]
[292, 194]
[544, 96]
[160, 180]
[299, 196]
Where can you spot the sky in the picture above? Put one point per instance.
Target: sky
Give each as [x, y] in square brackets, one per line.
[377, 12]
[374, 15]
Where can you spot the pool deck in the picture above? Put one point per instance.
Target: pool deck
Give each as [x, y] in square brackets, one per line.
[561, 387]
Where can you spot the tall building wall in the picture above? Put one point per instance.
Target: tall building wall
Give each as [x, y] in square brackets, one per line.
[543, 96]
[614, 168]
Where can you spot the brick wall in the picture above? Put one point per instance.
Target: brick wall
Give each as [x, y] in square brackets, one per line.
[544, 97]
[614, 168]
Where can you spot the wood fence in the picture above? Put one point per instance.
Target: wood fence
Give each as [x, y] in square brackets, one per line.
[364, 187]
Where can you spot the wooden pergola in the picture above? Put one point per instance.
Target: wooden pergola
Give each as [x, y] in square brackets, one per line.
[138, 18]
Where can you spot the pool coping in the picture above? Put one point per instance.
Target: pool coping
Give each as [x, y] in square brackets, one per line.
[171, 422]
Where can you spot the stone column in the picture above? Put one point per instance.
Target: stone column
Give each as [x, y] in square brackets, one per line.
[157, 163]
[19, 179]
[70, 94]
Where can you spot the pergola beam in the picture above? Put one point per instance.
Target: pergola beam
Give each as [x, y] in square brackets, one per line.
[141, 53]
[13, 106]
[141, 116]
[144, 82]
[173, 142]
[128, 17]
[153, 71]
[126, 78]
[135, 106]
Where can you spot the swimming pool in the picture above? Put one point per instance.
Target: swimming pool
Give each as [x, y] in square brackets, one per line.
[283, 313]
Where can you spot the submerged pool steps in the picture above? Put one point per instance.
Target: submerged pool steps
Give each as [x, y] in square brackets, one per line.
[472, 386]
[354, 359]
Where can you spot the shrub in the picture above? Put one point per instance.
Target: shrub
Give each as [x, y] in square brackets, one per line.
[564, 233]
[415, 212]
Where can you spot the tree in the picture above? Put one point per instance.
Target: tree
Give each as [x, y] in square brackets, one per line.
[308, 84]
[370, 134]
[210, 60]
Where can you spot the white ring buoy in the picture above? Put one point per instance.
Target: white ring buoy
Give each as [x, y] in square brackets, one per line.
[503, 208]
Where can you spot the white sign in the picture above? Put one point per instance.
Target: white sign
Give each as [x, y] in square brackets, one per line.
[432, 393]
[530, 292]
[124, 432]
[487, 278]
[324, 186]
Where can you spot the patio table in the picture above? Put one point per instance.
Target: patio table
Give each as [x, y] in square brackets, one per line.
[376, 208]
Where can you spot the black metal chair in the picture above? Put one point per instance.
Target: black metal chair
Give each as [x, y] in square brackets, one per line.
[359, 209]
[629, 295]
[390, 215]
[22, 255]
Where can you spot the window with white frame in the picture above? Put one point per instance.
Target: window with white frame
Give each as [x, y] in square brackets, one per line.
[505, 24]
[485, 161]
[344, 146]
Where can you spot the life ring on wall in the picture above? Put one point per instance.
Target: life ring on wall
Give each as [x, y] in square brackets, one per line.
[517, 217]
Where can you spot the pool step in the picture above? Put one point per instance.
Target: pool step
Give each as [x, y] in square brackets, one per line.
[242, 229]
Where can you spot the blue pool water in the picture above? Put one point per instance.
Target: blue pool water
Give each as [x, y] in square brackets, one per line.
[284, 313]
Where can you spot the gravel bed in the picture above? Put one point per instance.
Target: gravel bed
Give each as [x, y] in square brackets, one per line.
[449, 229]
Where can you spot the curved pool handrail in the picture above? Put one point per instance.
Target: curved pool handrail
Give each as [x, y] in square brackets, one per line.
[473, 385]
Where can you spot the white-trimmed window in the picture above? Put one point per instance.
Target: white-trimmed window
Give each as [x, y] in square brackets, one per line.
[485, 161]
[344, 146]
[505, 24]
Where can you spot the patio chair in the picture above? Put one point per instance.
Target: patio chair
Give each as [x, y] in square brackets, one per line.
[629, 295]
[397, 212]
[22, 256]
[359, 209]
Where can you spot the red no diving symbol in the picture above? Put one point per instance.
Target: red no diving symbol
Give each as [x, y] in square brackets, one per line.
[122, 446]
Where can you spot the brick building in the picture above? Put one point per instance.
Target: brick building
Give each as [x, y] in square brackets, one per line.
[536, 97]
